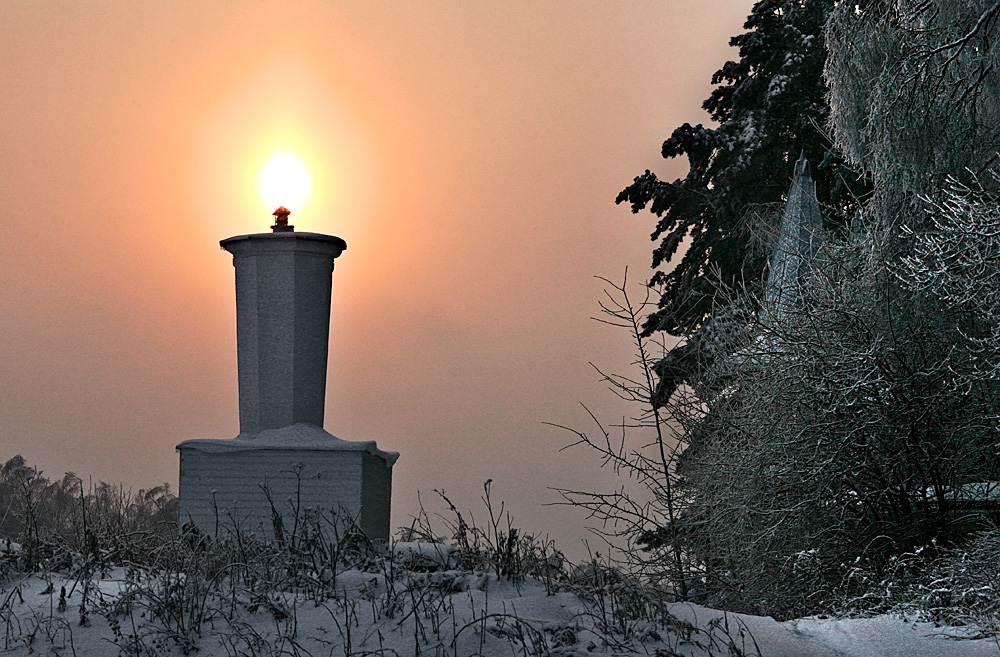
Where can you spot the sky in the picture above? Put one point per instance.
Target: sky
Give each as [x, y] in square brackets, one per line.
[468, 152]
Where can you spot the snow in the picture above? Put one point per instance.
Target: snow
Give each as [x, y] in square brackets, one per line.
[444, 612]
[414, 555]
[777, 86]
[881, 636]
[300, 435]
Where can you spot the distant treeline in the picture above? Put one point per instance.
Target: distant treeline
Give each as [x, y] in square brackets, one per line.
[39, 514]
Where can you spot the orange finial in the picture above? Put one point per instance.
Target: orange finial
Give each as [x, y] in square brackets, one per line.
[281, 220]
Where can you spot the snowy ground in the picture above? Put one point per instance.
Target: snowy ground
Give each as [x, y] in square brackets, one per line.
[409, 610]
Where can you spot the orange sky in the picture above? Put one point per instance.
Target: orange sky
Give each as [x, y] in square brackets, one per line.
[468, 152]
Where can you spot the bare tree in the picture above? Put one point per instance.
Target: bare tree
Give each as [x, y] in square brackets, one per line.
[845, 429]
[955, 258]
[915, 92]
[642, 449]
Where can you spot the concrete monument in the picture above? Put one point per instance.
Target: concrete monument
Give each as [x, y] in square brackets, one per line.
[283, 460]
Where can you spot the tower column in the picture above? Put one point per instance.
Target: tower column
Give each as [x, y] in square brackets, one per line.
[283, 286]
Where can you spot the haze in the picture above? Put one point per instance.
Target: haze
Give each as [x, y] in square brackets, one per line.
[468, 152]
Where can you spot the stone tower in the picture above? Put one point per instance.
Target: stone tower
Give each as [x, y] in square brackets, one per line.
[283, 460]
[799, 238]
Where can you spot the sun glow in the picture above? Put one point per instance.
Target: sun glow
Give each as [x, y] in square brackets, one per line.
[285, 180]
[285, 116]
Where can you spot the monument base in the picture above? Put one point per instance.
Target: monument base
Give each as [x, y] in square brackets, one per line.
[253, 480]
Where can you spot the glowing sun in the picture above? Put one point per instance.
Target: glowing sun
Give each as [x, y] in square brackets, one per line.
[284, 180]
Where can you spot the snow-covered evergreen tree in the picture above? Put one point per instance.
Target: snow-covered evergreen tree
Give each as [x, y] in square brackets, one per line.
[770, 107]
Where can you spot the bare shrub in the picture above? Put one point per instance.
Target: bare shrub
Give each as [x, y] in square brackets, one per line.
[59, 522]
